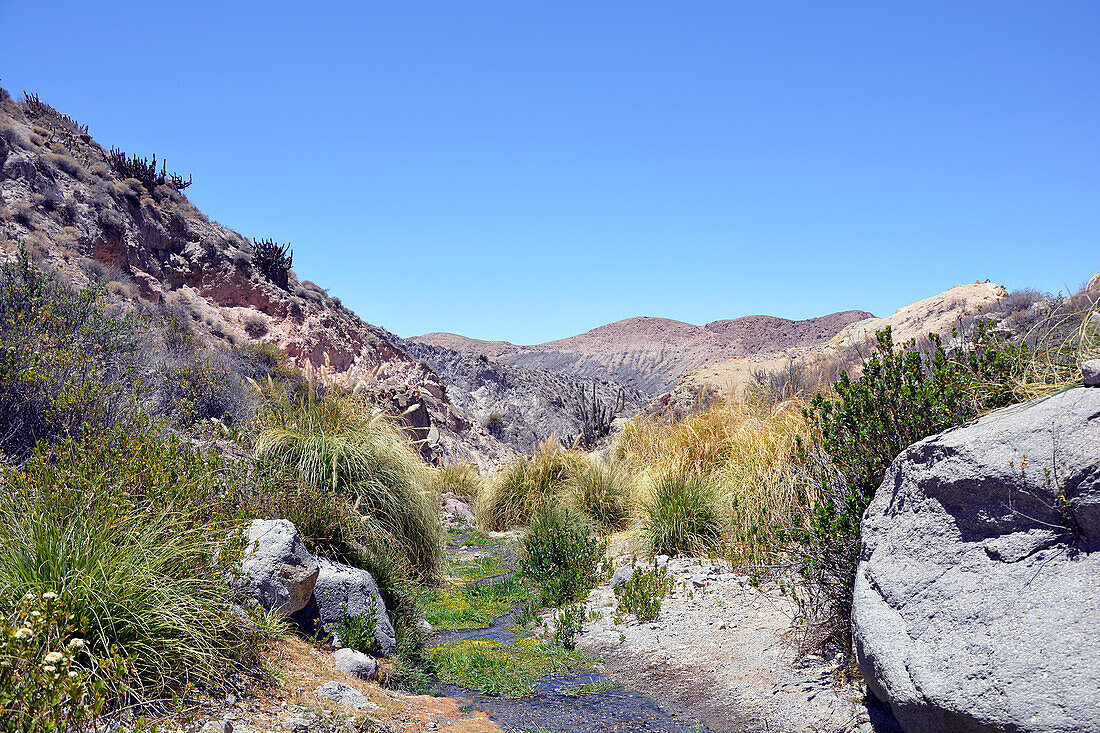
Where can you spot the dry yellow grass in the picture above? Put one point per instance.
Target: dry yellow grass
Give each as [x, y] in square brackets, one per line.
[747, 446]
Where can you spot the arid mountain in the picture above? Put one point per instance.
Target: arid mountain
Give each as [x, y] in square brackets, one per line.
[82, 213]
[650, 354]
[937, 314]
[531, 404]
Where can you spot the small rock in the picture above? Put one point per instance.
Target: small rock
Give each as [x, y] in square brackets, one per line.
[456, 507]
[341, 693]
[424, 626]
[356, 664]
[723, 625]
[1090, 370]
[230, 700]
[662, 561]
[218, 726]
[622, 575]
[699, 582]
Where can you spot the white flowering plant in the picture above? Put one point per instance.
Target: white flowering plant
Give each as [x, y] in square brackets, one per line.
[49, 682]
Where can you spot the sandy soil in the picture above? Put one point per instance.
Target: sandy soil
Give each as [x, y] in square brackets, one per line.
[719, 652]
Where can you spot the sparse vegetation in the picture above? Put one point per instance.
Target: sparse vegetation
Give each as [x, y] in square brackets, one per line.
[642, 593]
[603, 492]
[522, 490]
[510, 670]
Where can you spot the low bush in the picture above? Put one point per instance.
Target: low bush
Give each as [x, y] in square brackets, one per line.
[641, 595]
[357, 632]
[568, 624]
[604, 493]
[684, 515]
[562, 556]
[67, 361]
[46, 680]
[903, 395]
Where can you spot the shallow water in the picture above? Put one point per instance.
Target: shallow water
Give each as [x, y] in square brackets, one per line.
[555, 705]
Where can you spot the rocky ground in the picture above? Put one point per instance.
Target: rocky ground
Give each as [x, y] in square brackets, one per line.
[721, 652]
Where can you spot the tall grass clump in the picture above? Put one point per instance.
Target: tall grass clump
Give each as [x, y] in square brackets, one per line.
[461, 479]
[604, 492]
[530, 485]
[110, 523]
[331, 439]
[684, 515]
[745, 449]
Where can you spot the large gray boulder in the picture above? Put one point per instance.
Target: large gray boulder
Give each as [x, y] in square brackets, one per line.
[277, 571]
[341, 587]
[977, 596]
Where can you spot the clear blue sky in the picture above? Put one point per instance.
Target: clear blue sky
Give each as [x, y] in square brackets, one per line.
[527, 171]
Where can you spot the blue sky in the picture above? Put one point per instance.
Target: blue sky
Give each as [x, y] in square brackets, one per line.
[527, 171]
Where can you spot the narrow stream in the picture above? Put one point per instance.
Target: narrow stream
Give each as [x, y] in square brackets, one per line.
[556, 706]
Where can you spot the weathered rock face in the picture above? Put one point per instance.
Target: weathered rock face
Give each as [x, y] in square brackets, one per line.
[532, 404]
[277, 571]
[78, 217]
[341, 587]
[976, 604]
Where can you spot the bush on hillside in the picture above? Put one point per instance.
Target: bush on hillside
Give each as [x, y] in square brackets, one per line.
[562, 556]
[66, 360]
[902, 396]
[334, 441]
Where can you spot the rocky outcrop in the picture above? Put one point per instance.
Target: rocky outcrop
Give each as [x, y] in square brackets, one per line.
[277, 571]
[355, 664]
[342, 590]
[975, 602]
[60, 196]
[531, 404]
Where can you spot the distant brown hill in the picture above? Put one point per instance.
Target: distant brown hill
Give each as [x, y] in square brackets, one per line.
[650, 354]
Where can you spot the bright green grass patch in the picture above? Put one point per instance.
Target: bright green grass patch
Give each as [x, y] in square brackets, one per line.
[472, 606]
[480, 567]
[510, 670]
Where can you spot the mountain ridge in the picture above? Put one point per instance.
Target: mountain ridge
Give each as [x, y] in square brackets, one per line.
[650, 353]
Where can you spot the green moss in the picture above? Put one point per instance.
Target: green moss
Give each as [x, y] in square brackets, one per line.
[461, 606]
[509, 670]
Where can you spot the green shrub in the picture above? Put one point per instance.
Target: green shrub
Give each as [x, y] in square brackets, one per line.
[120, 527]
[684, 515]
[902, 396]
[569, 622]
[603, 492]
[642, 593]
[339, 443]
[357, 632]
[562, 556]
[46, 680]
[65, 361]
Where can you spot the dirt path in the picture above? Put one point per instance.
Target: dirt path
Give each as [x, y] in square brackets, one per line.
[717, 653]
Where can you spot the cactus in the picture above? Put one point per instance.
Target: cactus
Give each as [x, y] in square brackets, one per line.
[595, 417]
[145, 171]
[273, 260]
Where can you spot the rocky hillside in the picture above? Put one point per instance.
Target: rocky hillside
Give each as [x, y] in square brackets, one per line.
[847, 348]
[650, 354]
[81, 212]
[531, 404]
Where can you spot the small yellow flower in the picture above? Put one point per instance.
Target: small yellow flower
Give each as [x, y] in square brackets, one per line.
[73, 675]
[77, 643]
[24, 633]
[53, 658]
[49, 596]
[49, 669]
